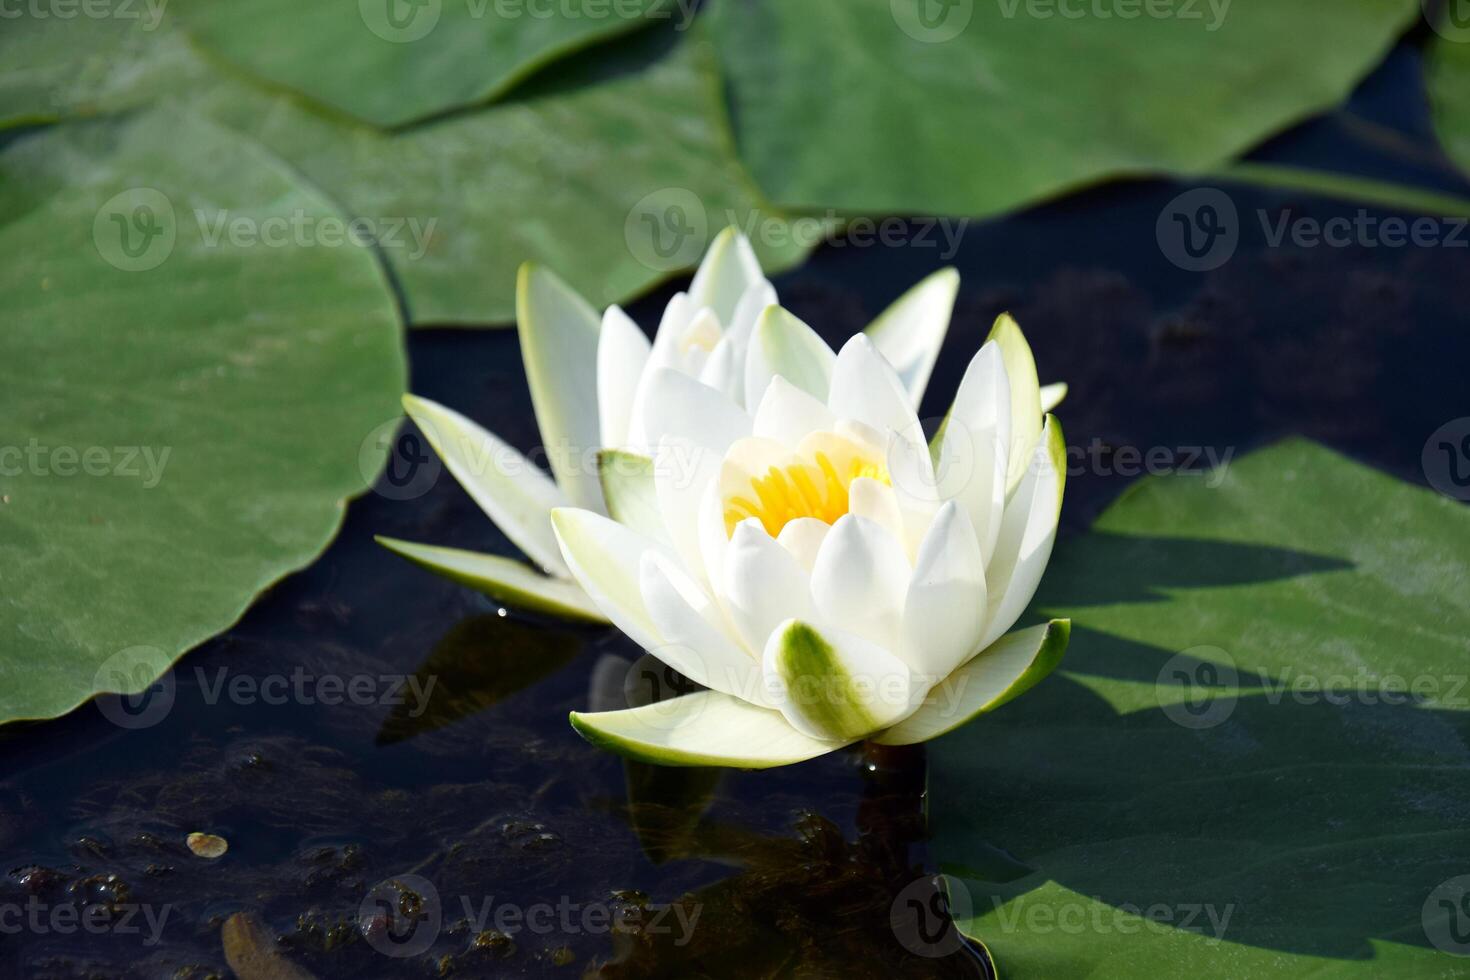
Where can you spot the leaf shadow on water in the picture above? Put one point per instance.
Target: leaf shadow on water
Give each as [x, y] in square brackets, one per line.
[480, 662]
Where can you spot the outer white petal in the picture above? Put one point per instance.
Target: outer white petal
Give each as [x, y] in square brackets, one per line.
[727, 270]
[944, 614]
[878, 503]
[788, 415]
[803, 538]
[783, 345]
[725, 370]
[622, 354]
[1027, 534]
[973, 456]
[865, 387]
[911, 331]
[676, 405]
[558, 332]
[1007, 669]
[628, 487]
[502, 579]
[676, 317]
[511, 489]
[703, 729]
[1026, 414]
[763, 586]
[832, 684]
[695, 641]
[682, 471]
[607, 560]
[1052, 395]
[861, 580]
[756, 298]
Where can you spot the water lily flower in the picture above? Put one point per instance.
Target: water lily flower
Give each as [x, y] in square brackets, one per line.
[823, 571]
[589, 378]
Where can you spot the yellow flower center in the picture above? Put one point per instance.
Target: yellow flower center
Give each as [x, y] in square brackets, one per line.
[814, 484]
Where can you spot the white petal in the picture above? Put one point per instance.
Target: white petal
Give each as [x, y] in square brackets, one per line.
[802, 539]
[1026, 415]
[757, 297]
[944, 614]
[911, 331]
[622, 354]
[681, 473]
[1007, 669]
[1052, 395]
[1027, 533]
[558, 332]
[511, 489]
[878, 503]
[861, 579]
[676, 317]
[677, 405]
[728, 269]
[632, 499]
[866, 388]
[725, 370]
[973, 456]
[787, 414]
[832, 684]
[695, 642]
[763, 585]
[703, 729]
[607, 560]
[502, 579]
[783, 345]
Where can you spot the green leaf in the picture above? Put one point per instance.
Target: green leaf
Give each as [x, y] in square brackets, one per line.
[1447, 73]
[616, 170]
[502, 579]
[390, 62]
[916, 106]
[1233, 735]
[185, 416]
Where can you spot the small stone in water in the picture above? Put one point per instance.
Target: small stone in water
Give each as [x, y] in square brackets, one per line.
[208, 845]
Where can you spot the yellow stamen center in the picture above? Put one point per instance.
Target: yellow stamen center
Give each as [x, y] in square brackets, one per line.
[813, 487]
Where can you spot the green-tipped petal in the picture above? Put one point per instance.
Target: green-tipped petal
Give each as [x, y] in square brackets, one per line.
[502, 579]
[784, 345]
[1007, 669]
[511, 489]
[559, 331]
[1025, 395]
[1053, 395]
[703, 729]
[728, 269]
[910, 332]
[837, 685]
[628, 488]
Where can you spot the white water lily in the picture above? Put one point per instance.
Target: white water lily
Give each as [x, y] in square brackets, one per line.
[590, 377]
[827, 574]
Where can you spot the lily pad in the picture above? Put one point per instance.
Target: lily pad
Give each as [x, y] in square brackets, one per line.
[185, 415]
[1256, 759]
[1448, 77]
[390, 62]
[968, 107]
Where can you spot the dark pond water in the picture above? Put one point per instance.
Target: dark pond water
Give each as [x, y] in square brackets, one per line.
[481, 796]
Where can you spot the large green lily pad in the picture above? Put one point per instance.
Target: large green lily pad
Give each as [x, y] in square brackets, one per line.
[1256, 760]
[981, 106]
[185, 415]
[390, 62]
[1448, 77]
